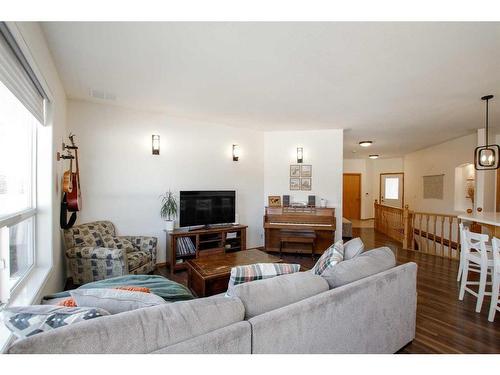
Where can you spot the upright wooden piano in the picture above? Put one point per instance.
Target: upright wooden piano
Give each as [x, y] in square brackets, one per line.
[319, 220]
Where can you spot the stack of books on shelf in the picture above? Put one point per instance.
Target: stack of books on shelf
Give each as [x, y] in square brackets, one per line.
[185, 246]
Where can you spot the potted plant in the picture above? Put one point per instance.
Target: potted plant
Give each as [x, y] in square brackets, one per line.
[168, 210]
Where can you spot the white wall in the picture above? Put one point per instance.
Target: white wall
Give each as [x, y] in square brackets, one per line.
[323, 149]
[370, 170]
[121, 180]
[50, 172]
[439, 159]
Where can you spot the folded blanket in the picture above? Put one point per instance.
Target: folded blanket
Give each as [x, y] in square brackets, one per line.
[169, 290]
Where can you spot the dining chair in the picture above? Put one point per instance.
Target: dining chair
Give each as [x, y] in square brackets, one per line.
[494, 305]
[475, 253]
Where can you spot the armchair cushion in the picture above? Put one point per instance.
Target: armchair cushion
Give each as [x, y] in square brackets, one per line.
[137, 259]
[118, 243]
[144, 243]
[91, 252]
[89, 234]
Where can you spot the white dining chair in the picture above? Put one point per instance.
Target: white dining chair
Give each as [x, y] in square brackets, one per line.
[494, 305]
[463, 244]
[475, 252]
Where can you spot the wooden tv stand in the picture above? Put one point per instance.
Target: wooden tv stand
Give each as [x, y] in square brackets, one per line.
[207, 242]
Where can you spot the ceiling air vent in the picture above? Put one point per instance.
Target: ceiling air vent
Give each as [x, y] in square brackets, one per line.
[101, 94]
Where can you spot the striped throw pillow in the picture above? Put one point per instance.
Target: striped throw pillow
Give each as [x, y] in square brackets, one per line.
[333, 255]
[258, 271]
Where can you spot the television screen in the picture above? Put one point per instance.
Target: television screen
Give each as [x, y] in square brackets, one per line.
[207, 207]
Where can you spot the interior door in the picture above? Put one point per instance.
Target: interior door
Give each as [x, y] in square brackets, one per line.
[351, 197]
[392, 189]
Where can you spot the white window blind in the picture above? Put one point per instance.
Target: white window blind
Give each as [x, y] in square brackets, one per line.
[18, 77]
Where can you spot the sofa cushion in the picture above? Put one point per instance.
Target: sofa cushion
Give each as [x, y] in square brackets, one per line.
[367, 264]
[259, 271]
[353, 248]
[26, 321]
[139, 331]
[115, 301]
[262, 296]
[137, 259]
[333, 255]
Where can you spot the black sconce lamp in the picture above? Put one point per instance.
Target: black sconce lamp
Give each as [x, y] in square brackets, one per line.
[300, 154]
[236, 152]
[155, 144]
[487, 157]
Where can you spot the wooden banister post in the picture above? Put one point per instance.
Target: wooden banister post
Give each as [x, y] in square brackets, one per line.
[406, 231]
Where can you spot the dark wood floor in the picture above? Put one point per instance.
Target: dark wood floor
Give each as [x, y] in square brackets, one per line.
[444, 324]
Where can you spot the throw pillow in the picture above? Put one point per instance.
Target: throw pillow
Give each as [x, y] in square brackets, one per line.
[258, 271]
[353, 248]
[30, 320]
[333, 255]
[114, 300]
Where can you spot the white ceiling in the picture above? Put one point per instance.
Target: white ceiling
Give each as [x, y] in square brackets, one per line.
[404, 85]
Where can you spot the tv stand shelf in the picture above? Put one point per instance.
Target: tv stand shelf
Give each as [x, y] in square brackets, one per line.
[206, 242]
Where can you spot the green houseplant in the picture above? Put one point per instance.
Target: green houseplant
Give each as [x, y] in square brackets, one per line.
[168, 210]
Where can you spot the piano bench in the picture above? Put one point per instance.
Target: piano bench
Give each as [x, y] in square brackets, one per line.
[300, 237]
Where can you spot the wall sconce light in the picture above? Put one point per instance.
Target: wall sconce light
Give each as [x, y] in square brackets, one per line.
[300, 154]
[155, 144]
[236, 152]
[487, 157]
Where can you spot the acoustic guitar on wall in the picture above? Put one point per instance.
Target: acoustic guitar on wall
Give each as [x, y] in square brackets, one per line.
[67, 184]
[74, 196]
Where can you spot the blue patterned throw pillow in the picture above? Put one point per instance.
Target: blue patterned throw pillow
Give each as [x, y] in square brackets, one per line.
[27, 321]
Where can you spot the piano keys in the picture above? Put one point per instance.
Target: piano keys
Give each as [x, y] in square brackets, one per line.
[319, 220]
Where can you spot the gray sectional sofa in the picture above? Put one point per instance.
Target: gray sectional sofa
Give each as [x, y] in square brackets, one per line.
[351, 311]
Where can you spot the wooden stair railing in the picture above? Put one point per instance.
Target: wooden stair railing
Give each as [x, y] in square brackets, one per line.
[431, 233]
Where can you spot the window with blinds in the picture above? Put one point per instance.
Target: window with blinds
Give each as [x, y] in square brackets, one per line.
[22, 103]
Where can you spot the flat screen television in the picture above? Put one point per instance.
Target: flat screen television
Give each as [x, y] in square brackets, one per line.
[207, 207]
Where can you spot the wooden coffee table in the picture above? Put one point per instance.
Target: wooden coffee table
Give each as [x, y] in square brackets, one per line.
[209, 275]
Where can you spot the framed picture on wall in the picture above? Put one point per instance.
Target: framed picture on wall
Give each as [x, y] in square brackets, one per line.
[305, 183]
[274, 201]
[306, 170]
[294, 170]
[294, 183]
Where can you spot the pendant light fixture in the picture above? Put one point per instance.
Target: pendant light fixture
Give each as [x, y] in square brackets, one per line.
[486, 157]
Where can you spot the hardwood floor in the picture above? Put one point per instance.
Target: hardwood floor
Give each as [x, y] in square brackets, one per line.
[444, 324]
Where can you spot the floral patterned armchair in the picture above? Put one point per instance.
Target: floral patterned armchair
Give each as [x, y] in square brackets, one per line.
[94, 252]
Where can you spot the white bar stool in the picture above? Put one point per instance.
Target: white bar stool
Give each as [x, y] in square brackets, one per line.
[475, 253]
[495, 306]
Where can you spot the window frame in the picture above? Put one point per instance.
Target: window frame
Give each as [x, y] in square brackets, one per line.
[29, 288]
[15, 218]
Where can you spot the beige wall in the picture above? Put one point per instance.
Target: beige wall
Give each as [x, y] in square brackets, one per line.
[439, 159]
[322, 149]
[122, 180]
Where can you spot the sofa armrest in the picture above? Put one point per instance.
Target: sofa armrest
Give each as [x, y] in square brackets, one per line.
[144, 243]
[91, 252]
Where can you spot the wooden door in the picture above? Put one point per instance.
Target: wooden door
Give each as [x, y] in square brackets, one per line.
[351, 197]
